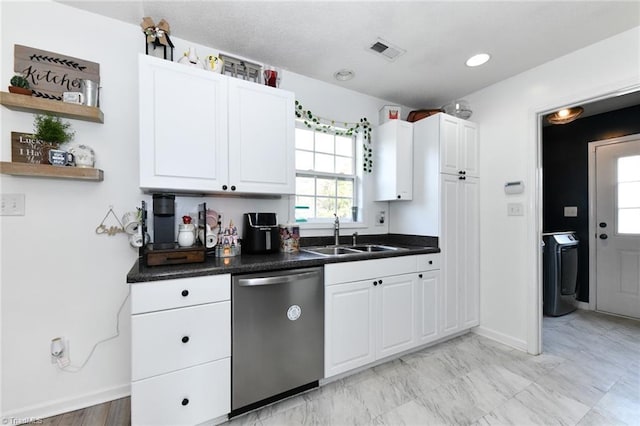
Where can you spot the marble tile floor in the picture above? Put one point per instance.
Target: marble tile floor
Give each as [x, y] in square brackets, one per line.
[588, 374]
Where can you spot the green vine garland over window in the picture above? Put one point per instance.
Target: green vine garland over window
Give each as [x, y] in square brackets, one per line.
[324, 125]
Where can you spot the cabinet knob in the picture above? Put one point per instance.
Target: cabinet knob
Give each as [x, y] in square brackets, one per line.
[462, 172]
[185, 401]
[380, 282]
[233, 187]
[431, 262]
[224, 187]
[185, 293]
[603, 236]
[185, 339]
[419, 275]
[399, 197]
[375, 283]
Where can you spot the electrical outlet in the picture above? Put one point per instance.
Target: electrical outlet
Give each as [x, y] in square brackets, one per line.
[12, 205]
[56, 349]
[381, 217]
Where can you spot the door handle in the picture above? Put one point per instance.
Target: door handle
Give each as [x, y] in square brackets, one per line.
[280, 279]
[603, 236]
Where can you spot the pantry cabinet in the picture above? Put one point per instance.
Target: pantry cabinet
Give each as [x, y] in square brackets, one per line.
[446, 205]
[393, 163]
[205, 132]
[458, 146]
[371, 314]
[181, 350]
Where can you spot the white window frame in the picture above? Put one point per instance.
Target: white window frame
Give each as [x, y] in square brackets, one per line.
[356, 178]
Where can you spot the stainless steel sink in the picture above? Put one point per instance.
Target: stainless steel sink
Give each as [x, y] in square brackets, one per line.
[331, 250]
[347, 250]
[374, 248]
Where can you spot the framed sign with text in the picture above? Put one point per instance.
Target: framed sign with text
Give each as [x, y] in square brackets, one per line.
[51, 74]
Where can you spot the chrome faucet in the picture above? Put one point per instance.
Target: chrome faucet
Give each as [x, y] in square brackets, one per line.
[336, 230]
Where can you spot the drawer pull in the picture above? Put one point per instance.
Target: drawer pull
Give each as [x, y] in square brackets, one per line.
[375, 283]
[185, 401]
[380, 282]
[431, 262]
[185, 339]
[419, 275]
[185, 293]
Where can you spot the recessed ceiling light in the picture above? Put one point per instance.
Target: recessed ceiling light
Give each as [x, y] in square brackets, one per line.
[477, 60]
[344, 75]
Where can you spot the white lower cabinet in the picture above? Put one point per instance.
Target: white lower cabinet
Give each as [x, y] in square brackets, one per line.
[185, 397]
[378, 316]
[181, 351]
[428, 290]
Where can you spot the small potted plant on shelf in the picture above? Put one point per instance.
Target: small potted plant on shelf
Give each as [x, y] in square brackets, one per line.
[52, 129]
[20, 85]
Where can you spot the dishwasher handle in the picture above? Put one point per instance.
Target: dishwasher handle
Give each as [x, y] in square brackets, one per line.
[280, 279]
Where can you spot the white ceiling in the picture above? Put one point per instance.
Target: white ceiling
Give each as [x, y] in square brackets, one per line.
[317, 38]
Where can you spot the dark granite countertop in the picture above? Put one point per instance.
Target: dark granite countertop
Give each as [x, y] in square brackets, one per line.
[249, 263]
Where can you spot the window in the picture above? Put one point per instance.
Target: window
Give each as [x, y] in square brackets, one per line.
[325, 175]
[629, 195]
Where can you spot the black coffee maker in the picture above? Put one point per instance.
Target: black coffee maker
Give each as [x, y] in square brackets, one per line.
[164, 226]
[260, 233]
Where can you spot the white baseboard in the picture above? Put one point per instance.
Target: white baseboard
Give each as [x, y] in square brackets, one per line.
[59, 406]
[583, 305]
[501, 338]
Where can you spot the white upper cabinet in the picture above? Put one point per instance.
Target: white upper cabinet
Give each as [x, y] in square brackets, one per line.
[183, 130]
[261, 138]
[458, 146]
[205, 132]
[393, 161]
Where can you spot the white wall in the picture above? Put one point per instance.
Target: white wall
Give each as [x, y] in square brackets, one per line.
[58, 278]
[506, 116]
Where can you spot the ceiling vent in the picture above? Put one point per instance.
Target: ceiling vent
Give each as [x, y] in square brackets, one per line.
[386, 50]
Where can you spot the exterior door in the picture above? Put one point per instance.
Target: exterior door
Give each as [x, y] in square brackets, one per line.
[618, 228]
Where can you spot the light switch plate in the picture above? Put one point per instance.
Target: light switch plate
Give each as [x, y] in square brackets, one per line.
[12, 205]
[515, 209]
[571, 211]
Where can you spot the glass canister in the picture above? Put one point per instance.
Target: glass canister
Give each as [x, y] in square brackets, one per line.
[289, 238]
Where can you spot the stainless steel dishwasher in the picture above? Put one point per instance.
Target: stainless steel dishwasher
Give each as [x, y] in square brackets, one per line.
[277, 336]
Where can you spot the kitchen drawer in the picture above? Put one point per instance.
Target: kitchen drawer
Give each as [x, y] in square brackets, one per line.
[428, 262]
[169, 340]
[186, 397]
[345, 272]
[159, 295]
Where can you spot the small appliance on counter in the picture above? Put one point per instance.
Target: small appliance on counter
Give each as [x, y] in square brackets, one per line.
[260, 233]
[164, 250]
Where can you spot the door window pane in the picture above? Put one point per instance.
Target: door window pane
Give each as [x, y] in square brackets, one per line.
[628, 194]
[629, 168]
[629, 221]
[628, 202]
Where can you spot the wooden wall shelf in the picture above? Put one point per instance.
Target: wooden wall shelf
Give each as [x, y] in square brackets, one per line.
[48, 171]
[59, 108]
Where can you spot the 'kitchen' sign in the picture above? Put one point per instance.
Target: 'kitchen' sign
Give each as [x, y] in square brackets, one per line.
[50, 74]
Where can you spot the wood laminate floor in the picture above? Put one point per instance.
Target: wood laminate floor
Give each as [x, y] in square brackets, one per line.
[589, 374]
